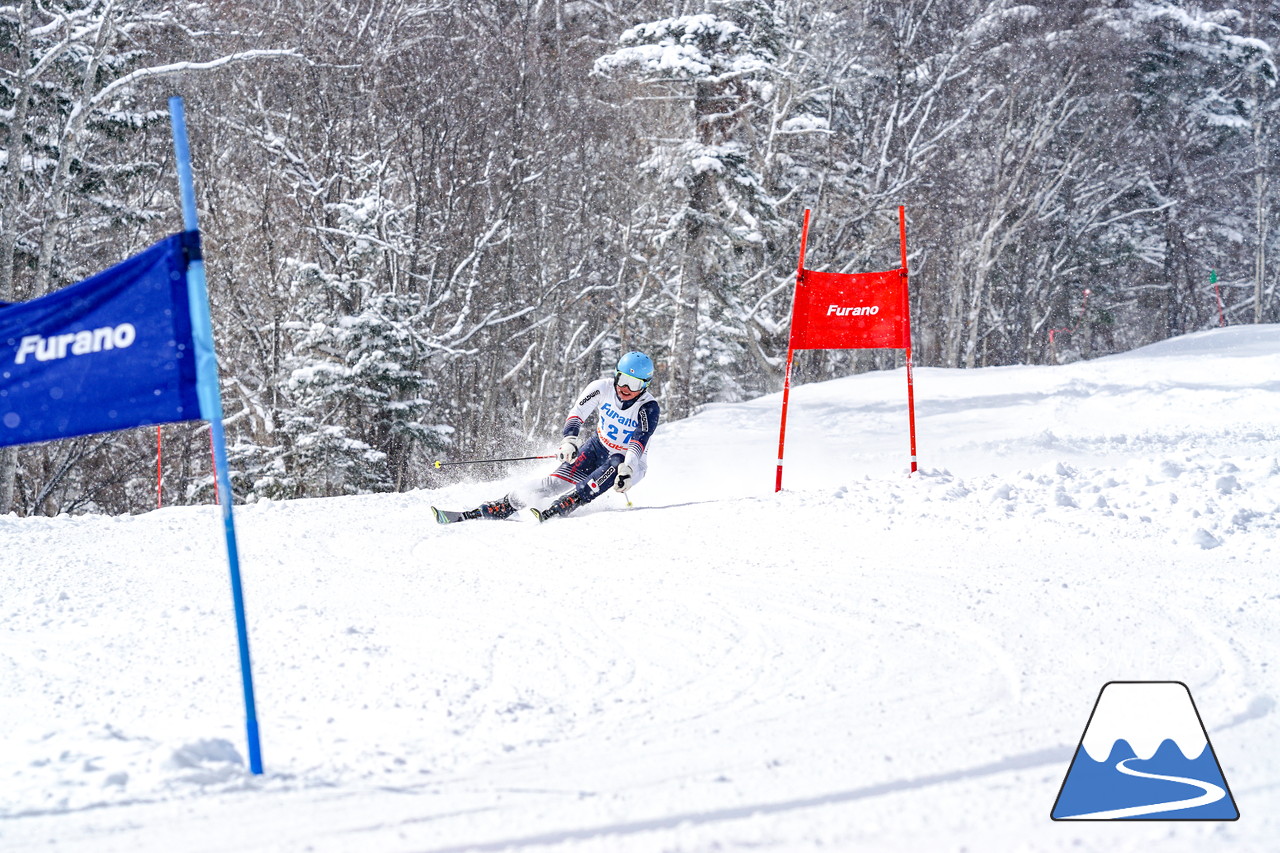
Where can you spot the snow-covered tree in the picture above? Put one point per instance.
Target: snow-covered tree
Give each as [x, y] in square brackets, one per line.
[448, 215]
[81, 165]
[1194, 85]
[717, 66]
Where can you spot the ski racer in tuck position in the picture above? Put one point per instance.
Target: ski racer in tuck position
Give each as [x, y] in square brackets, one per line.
[615, 456]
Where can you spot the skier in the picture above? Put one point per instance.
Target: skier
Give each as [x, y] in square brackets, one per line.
[616, 455]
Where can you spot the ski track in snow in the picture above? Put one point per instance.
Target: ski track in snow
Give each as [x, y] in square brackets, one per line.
[865, 661]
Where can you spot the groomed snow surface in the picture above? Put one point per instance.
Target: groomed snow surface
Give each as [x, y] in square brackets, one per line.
[868, 661]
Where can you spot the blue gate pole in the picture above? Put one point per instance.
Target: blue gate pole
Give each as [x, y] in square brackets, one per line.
[211, 410]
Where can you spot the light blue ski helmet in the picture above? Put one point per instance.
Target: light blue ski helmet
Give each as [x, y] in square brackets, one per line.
[636, 366]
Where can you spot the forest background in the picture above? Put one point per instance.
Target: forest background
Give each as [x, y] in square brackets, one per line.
[427, 223]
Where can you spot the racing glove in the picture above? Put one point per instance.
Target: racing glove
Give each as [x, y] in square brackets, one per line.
[569, 448]
[623, 480]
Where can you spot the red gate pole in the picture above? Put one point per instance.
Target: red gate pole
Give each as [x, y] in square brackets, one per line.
[786, 382]
[782, 431]
[906, 317]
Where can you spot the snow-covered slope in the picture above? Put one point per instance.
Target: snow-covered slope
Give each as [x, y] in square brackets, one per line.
[866, 661]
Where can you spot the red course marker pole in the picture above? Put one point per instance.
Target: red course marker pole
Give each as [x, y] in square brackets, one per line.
[786, 382]
[906, 318]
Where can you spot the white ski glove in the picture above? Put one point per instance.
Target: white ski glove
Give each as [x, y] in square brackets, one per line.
[623, 481]
[569, 448]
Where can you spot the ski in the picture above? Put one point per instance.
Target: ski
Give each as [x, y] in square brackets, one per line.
[445, 516]
[560, 507]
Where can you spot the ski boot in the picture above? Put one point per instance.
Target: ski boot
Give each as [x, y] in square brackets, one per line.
[562, 505]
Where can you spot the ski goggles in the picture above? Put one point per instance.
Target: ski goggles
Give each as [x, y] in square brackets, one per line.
[633, 383]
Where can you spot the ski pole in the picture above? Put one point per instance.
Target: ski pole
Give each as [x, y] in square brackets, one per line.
[441, 464]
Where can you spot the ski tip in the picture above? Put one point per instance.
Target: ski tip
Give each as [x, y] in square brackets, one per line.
[441, 518]
[537, 513]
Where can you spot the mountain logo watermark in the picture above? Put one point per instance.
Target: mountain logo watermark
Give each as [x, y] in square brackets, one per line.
[1145, 755]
